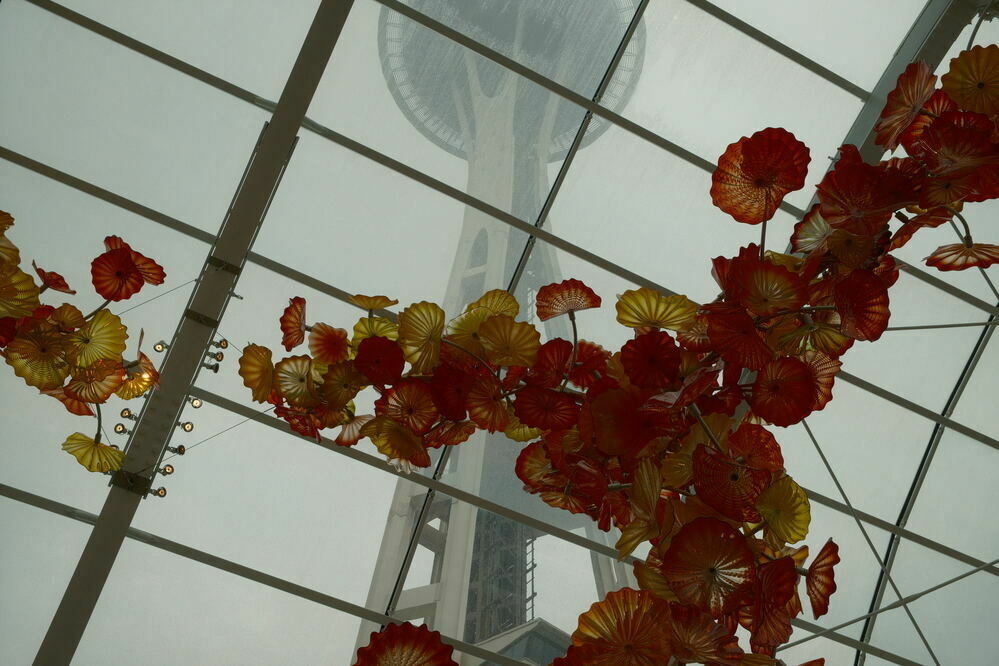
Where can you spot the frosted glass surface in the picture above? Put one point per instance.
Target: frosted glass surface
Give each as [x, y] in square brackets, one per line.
[103, 113]
[818, 31]
[39, 553]
[250, 43]
[189, 613]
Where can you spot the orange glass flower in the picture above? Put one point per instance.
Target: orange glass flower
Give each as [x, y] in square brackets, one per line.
[36, 355]
[564, 297]
[958, 257]
[151, 272]
[341, 383]
[293, 380]
[409, 402]
[405, 645]
[380, 360]
[696, 637]
[651, 360]
[626, 628]
[973, 79]
[115, 274]
[755, 173]
[96, 382]
[590, 364]
[72, 405]
[709, 566]
[485, 404]
[52, 280]
[543, 408]
[727, 486]
[820, 582]
[912, 90]
[257, 370]
[449, 433]
[140, 376]
[552, 363]
[862, 303]
[784, 391]
[756, 447]
[95, 456]
[292, 323]
[327, 344]
[734, 336]
[395, 441]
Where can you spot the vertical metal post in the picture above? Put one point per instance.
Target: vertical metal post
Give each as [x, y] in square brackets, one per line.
[194, 333]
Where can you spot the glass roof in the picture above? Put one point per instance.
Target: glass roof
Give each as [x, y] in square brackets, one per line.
[139, 119]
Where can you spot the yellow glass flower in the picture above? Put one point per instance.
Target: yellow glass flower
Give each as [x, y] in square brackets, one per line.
[372, 302]
[497, 301]
[96, 382]
[395, 441]
[341, 383]
[647, 308]
[67, 317]
[257, 370]
[95, 456]
[785, 509]
[370, 327]
[519, 432]
[293, 379]
[421, 326]
[102, 337]
[140, 376]
[509, 342]
[18, 292]
[9, 254]
[37, 356]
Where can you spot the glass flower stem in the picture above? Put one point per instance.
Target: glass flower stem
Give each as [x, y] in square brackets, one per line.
[98, 309]
[97, 437]
[572, 356]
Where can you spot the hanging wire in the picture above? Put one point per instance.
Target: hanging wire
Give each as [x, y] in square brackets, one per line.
[160, 295]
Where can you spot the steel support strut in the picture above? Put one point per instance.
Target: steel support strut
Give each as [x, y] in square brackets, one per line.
[193, 335]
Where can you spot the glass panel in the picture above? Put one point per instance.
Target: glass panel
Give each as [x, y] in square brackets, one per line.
[64, 230]
[834, 653]
[651, 213]
[356, 225]
[955, 619]
[875, 30]
[976, 409]
[162, 607]
[570, 43]
[39, 554]
[705, 84]
[873, 445]
[956, 504]
[252, 44]
[400, 88]
[272, 501]
[921, 365]
[119, 120]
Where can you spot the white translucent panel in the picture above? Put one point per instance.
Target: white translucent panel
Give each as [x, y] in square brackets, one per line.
[705, 84]
[352, 223]
[63, 230]
[564, 581]
[817, 31]
[103, 113]
[39, 554]
[834, 653]
[272, 501]
[956, 504]
[873, 445]
[571, 43]
[164, 608]
[857, 572]
[920, 365]
[467, 121]
[957, 619]
[250, 43]
[976, 408]
[651, 213]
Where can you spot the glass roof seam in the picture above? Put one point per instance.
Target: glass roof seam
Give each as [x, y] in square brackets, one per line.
[552, 86]
[778, 46]
[249, 573]
[922, 470]
[577, 141]
[885, 570]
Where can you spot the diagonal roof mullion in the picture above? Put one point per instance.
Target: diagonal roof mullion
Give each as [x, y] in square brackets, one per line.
[781, 48]
[240, 570]
[922, 471]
